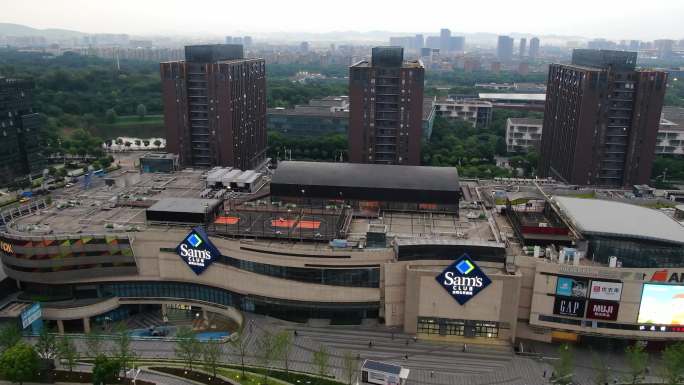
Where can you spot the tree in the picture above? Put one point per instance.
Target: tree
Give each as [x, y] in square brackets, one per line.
[321, 359]
[266, 353]
[105, 370]
[188, 348]
[10, 335]
[89, 120]
[19, 363]
[637, 361]
[141, 111]
[211, 355]
[282, 346]
[111, 116]
[94, 344]
[673, 364]
[563, 368]
[122, 349]
[46, 346]
[350, 364]
[240, 344]
[67, 352]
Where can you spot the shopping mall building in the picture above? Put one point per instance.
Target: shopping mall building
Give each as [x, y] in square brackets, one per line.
[410, 247]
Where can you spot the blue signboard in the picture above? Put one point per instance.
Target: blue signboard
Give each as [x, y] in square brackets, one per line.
[197, 250]
[572, 287]
[463, 279]
[31, 315]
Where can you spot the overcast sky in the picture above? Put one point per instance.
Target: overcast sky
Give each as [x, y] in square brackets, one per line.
[613, 19]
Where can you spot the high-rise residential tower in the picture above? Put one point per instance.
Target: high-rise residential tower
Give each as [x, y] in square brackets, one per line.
[21, 155]
[215, 107]
[386, 108]
[522, 47]
[534, 48]
[444, 40]
[504, 49]
[601, 119]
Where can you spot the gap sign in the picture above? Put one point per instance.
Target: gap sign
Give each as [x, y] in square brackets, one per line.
[463, 279]
[197, 250]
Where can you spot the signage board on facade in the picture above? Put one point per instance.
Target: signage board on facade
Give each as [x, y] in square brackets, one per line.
[667, 276]
[572, 287]
[197, 251]
[6, 248]
[602, 310]
[608, 291]
[463, 279]
[569, 306]
[30, 315]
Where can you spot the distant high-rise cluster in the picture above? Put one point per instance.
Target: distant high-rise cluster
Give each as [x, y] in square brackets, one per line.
[215, 107]
[244, 40]
[601, 119]
[445, 42]
[386, 108]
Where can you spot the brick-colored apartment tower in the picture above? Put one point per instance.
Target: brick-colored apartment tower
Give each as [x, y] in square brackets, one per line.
[386, 108]
[215, 107]
[601, 119]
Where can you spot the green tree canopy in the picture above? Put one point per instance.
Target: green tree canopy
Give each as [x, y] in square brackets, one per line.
[105, 370]
[19, 363]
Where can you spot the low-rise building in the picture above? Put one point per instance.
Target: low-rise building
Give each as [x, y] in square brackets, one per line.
[478, 113]
[670, 139]
[319, 117]
[328, 115]
[529, 101]
[523, 134]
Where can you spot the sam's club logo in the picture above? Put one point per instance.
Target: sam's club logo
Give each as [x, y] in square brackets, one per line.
[463, 279]
[197, 250]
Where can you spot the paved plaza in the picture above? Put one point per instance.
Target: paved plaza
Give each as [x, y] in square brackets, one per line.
[430, 363]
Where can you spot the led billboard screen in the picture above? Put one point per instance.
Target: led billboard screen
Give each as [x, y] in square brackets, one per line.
[662, 304]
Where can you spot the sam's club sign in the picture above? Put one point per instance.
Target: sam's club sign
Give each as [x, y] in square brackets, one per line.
[197, 250]
[463, 279]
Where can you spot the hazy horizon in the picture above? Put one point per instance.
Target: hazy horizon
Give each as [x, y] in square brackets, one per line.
[611, 19]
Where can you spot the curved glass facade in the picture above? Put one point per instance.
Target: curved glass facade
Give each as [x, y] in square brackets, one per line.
[299, 311]
[365, 276]
[636, 253]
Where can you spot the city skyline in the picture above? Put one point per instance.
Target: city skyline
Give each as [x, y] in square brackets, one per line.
[526, 16]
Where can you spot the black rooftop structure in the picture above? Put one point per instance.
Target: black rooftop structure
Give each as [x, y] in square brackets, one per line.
[372, 182]
[382, 367]
[387, 56]
[183, 210]
[210, 53]
[619, 60]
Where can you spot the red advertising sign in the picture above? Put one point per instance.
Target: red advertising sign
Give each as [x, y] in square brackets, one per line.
[603, 310]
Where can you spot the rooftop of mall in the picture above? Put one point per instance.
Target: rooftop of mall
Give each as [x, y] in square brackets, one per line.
[357, 206]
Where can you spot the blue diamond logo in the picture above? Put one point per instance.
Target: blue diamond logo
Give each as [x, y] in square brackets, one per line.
[197, 250]
[194, 240]
[463, 279]
[465, 267]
